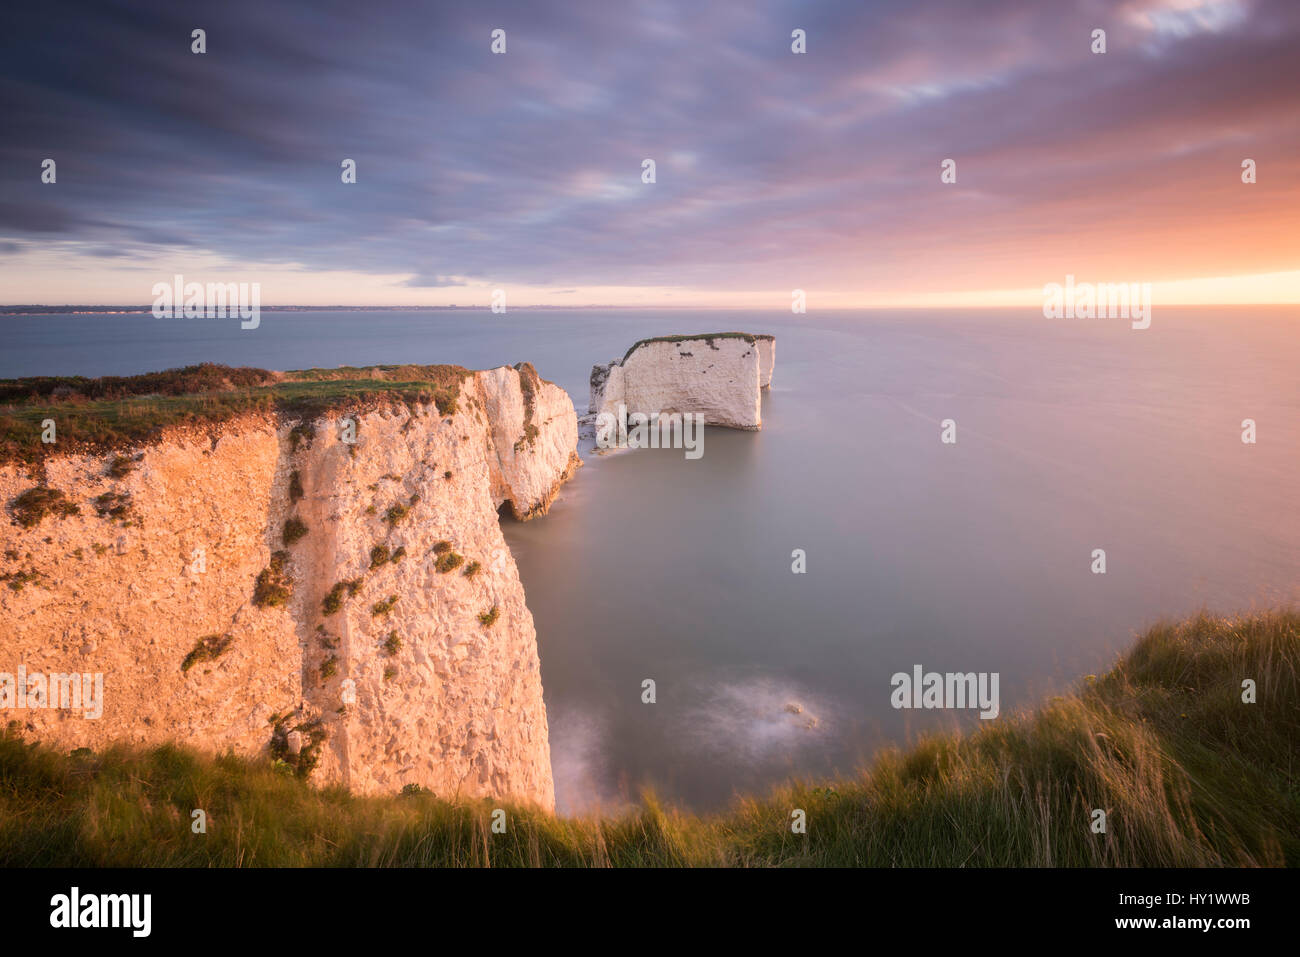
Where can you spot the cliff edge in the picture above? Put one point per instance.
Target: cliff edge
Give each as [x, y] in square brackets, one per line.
[321, 575]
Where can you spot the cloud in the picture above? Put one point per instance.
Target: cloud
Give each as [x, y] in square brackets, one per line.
[773, 169]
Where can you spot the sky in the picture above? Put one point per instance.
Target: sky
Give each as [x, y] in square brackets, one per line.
[774, 170]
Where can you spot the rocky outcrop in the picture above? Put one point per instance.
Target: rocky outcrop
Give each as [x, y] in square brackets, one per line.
[718, 376]
[766, 360]
[335, 589]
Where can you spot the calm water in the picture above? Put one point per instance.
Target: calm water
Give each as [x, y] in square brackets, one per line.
[1072, 435]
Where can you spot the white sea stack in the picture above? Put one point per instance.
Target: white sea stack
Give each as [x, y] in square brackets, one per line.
[717, 375]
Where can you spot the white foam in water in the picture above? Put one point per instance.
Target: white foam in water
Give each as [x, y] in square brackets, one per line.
[755, 720]
[578, 764]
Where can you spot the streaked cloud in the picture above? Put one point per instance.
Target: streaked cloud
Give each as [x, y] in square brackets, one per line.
[775, 171]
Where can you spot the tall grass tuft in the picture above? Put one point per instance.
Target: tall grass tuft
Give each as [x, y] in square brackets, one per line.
[1188, 774]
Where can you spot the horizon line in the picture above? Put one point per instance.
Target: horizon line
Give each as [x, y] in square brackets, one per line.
[128, 309]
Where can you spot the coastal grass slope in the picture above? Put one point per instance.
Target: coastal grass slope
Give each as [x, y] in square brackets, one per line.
[1188, 774]
[116, 411]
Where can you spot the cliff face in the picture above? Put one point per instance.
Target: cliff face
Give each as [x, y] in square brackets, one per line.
[766, 359]
[718, 376]
[388, 644]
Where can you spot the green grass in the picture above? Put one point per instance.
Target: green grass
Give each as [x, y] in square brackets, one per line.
[1189, 776]
[114, 412]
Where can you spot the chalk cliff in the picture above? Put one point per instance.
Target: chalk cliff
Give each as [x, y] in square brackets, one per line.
[718, 375]
[351, 606]
[766, 359]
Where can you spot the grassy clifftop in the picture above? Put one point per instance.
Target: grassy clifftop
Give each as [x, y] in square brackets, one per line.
[93, 415]
[708, 337]
[1188, 774]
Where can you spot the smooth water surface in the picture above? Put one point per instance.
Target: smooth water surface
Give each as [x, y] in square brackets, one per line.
[1072, 435]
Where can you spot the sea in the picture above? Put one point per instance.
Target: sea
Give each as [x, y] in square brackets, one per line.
[715, 626]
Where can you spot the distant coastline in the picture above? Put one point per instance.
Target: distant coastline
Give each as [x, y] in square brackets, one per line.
[68, 310]
[19, 311]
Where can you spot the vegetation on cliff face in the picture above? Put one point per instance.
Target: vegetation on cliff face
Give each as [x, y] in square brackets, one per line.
[529, 383]
[294, 529]
[209, 648]
[120, 467]
[302, 762]
[333, 599]
[1188, 774]
[273, 587]
[34, 504]
[115, 505]
[448, 562]
[113, 412]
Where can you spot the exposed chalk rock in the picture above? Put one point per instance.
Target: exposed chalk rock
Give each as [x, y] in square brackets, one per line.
[716, 375]
[395, 681]
[766, 360]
